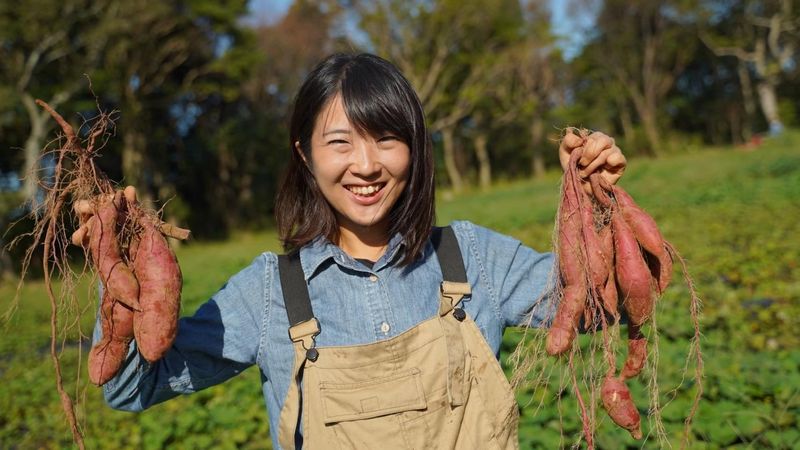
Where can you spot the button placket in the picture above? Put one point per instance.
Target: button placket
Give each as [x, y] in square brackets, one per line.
[376, 308]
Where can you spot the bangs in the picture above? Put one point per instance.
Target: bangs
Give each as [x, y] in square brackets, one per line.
[374, 106]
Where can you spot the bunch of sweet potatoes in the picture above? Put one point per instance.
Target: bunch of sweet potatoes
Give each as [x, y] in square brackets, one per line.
[612, 260]
[141, 284]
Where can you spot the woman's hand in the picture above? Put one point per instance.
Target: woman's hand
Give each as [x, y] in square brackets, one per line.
[86, 210]
[600, 154]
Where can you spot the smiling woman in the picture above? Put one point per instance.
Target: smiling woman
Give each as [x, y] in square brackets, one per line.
[358, 138]
[394, 325]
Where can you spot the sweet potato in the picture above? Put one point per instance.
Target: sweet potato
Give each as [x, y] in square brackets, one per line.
[116, 276]
[632, 273]
[618, 403]
[649, 237]
[596, 257]
[571, 263]
[609, 290]
[637, 352]
[107, 355]
[159, 275]
[609, 251]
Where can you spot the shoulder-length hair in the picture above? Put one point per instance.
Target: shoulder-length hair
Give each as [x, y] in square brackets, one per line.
[377, 99]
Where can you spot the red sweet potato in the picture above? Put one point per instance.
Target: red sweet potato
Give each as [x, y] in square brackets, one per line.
[159, 275]
[649, 237]
[618, 403]
[596, 259]
[609, 291]
[107, 355]
[632, 273]
[571, 263]
[116, 276]
[637, 352]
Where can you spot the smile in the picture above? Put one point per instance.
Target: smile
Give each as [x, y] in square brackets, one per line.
[365, 191]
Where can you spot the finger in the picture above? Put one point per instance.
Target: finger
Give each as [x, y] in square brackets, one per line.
[118, 203]
[83, 207]
[616, 161]
[596, 162]
[130, 194]
[79, 236]
[84, 210]
[569, 143]
[595, 144]
[602, 160]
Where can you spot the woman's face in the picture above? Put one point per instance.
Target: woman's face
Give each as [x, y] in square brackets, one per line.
[361, 176]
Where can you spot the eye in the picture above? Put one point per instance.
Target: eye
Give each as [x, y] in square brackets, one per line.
[388, 138]
[337, 141]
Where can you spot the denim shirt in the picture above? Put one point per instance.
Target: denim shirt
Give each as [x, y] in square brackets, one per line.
[245, 322]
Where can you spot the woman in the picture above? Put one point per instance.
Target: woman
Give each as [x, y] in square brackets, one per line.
[374, 331]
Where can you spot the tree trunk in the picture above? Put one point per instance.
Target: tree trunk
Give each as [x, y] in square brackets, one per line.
[769, 105]
[33, 147]
[133, 162]
[537, 154]
[484, 165]
[749, 102]
[648, 117]
[448, 138]
[628, 134]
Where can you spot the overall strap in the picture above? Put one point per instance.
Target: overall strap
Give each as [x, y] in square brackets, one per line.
[446, 245]
[303, 328]
[453, 289]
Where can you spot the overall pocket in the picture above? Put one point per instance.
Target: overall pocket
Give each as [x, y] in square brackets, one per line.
[368, 414]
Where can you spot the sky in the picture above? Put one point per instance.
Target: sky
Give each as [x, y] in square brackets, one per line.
[268, 11]
[570, 26]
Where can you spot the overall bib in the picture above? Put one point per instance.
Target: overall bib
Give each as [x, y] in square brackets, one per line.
[435, 386]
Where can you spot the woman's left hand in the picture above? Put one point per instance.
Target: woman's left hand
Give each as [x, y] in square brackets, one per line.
[600, 154]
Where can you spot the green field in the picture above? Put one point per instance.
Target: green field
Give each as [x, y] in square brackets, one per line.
[733, 215]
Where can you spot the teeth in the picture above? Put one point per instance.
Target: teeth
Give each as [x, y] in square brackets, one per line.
[365, 190]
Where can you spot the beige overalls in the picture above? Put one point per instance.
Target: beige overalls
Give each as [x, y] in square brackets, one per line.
[436, 386]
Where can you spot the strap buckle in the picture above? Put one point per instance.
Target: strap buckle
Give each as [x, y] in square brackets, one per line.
[304, 333]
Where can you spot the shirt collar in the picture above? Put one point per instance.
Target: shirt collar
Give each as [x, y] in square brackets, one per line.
[320, 250]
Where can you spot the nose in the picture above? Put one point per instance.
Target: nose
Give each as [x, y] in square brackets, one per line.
[365, 158]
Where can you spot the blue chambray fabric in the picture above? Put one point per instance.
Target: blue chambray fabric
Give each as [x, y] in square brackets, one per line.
[245, 322]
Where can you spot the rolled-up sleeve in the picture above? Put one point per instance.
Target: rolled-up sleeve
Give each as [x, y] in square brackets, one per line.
[520, 280]
[219, 341]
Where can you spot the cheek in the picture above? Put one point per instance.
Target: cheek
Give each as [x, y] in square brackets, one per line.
[399, 165]
[327, 169]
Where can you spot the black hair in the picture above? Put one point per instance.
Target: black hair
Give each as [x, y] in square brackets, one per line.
[377, 99]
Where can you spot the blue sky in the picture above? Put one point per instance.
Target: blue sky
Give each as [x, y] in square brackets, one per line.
[269, 11]
[570, 28]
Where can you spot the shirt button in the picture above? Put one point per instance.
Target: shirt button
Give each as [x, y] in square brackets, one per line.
[385, 328]
[373, 278]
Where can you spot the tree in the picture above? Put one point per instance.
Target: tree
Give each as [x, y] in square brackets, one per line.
[524, 87]
[762, 36]
[41, 60]
[446, 49]
[644, 45]
[147, 75]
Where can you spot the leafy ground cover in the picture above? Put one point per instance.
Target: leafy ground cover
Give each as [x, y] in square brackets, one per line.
[732, 213]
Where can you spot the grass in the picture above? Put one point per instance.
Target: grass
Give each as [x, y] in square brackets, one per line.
[733, 215]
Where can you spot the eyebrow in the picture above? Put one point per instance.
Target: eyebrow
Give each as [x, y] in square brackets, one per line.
[336, 131]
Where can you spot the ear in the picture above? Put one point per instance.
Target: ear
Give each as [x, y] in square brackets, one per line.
[299, 151]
